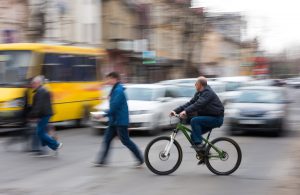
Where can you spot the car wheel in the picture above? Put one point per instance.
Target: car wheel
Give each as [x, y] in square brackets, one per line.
[279, 131]
[154, 131]
[84, 121]
[234, 131]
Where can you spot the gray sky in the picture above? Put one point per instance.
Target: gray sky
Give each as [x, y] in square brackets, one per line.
[276, 22]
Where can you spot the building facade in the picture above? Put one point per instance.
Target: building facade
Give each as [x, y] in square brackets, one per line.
[66, 21]
[13, 21]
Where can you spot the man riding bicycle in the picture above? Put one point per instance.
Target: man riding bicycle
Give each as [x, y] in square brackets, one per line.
[206, 110]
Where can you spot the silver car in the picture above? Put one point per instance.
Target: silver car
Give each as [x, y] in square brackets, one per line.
[258, 108]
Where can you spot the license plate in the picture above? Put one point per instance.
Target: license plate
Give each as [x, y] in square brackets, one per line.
[251, 122]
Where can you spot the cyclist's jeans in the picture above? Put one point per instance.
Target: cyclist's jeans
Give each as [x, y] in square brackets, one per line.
[122, 132]
[203, 124]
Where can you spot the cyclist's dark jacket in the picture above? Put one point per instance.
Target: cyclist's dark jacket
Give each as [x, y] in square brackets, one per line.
[204, 103]
[41, 105]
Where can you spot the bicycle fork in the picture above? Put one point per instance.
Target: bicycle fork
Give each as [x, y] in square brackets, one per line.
[169, 145]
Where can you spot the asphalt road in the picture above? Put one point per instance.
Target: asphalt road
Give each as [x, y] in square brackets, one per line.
[265, 161]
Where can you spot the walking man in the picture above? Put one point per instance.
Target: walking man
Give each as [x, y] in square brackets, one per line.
[118, 121]
[41, 111]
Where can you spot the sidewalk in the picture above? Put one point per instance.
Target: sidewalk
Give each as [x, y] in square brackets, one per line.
[290, 185]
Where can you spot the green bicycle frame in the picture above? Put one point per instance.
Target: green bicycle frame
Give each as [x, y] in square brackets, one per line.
[186, 132]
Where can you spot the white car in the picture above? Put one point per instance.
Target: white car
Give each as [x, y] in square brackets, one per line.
[178, 81]
[188, 90]
[294, 82]
[149, 107]
[182, 81]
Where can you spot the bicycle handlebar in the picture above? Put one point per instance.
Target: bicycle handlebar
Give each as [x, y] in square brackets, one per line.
[176, 115]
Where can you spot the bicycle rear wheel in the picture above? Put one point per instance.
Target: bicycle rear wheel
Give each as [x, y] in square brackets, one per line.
[226, 163]
[159, 163]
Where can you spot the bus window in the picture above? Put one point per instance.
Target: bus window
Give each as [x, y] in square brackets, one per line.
[52, 67]
[84, 69]
[64, 67]
[58, 67]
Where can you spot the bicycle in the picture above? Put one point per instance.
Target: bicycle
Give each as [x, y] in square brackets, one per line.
[216, 151]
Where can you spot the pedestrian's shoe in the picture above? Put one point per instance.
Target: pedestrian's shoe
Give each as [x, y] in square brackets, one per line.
[98, 164]
[59, 146]
[40, 154]
[139, 164]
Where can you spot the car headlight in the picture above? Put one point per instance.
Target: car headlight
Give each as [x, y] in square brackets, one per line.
[275, 114]
[138, 112]
[20, 102]
[231, 112]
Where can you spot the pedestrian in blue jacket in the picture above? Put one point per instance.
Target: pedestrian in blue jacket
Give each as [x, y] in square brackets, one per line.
[118, 121]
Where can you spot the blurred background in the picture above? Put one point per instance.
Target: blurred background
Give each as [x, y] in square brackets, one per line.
[149, 41]
[249, 51]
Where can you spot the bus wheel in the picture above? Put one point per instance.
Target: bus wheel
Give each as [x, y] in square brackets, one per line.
[84, 121]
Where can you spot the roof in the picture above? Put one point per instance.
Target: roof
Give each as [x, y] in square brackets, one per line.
[235, 79]
[273, 88]
[178, 81]
[149, 86]
[52, 48]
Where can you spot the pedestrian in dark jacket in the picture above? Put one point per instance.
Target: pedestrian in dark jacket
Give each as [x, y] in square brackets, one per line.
[118, 121]
[41, 111]
[208, 109]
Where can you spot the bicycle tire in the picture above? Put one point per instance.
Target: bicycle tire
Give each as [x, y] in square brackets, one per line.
[148, 163]
[239, 156]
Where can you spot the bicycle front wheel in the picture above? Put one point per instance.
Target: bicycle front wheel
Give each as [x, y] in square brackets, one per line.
[156, 159]
[228, 161]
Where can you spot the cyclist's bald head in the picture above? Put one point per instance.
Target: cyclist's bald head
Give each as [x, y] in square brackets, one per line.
[202, 80]
[201, 83]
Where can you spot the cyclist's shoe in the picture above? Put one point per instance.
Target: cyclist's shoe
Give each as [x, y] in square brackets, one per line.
[201, 162]
[199, 147]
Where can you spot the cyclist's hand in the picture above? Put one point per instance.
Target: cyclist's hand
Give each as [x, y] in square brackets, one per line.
[173, 113]
[182, 114]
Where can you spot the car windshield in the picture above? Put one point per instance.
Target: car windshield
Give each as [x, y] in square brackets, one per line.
[189, 91]
[14, 66]
[142, 94]
[216, 88]
[259, 96]
[232, 86]
[186, 91]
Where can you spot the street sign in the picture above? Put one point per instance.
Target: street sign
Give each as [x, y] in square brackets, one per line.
[149, 57]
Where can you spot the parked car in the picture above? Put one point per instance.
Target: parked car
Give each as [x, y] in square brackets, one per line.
[293, 82]
[182, 81]
[149, 108]
[178, 81]
[188, 90]
[260, 108]
[232, 85]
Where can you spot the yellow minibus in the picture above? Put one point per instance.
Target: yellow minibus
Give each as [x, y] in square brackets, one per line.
[72, 74]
